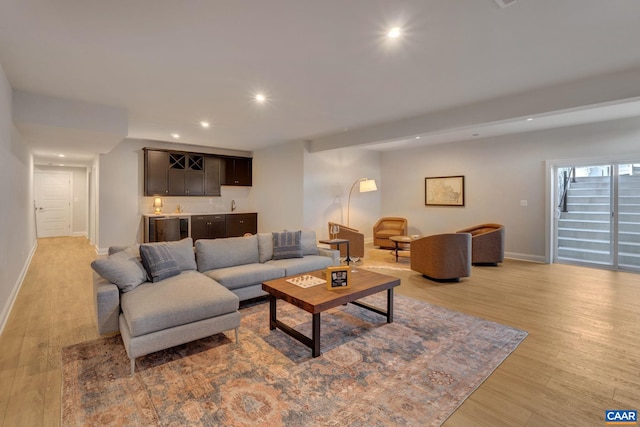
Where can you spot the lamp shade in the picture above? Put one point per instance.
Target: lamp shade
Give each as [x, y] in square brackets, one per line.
[368, 185]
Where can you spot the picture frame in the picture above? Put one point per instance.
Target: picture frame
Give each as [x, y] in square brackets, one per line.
[338, 277]
[444, 191]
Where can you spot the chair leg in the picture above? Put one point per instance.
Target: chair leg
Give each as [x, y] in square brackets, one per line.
[237, 336]
[133, 366]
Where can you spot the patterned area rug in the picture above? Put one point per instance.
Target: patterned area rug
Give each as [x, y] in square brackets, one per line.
[415, 371]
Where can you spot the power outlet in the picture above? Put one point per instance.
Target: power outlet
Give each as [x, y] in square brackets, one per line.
[523, 203]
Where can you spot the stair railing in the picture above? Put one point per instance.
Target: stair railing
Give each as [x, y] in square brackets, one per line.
[567, 178]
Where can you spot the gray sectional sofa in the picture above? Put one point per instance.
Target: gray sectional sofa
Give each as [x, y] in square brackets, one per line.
[188, 293]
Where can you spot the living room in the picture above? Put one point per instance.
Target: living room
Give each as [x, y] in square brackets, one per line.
[303, 182]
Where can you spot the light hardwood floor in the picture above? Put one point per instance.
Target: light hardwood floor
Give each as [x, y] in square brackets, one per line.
[582, 355]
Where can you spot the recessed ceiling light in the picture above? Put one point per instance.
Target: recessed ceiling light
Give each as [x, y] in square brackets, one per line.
[529, 119]
[476, 134]
[60, 155]
[394, 33]
[175, 135]
[417, 137]
[261, 98]
[205, 124]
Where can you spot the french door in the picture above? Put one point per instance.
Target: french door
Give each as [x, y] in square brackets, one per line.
[598, 215]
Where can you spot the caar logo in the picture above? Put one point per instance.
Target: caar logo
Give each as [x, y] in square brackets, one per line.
[620, 417]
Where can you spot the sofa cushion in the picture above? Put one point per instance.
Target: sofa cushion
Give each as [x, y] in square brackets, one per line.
[265, 246]
[293, 266]
[287, 244]
[158, 262]
[309, 243]
[178, 300]
[240, 276]
[227, 252]
[123, 269]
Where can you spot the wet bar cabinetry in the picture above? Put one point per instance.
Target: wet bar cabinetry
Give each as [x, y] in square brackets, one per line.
[203, 226]
[236, 171]
[180, 173]
[208, 227]
[241, 223]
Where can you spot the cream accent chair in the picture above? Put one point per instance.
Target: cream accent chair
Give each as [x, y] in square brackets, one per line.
[355, 238]
[387, 227]
[487, 243]
[442, 257]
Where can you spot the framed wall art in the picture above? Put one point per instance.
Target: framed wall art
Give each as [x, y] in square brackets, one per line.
[444, 191]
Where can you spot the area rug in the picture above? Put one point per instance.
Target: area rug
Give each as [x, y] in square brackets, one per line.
[414, 371]
[385, 259]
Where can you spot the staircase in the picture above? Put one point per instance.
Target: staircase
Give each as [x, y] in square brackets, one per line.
[584, 231]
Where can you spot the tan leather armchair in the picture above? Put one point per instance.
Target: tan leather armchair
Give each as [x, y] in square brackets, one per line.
[355, 238]
[487, 243]
[387, 227]
[442, 257]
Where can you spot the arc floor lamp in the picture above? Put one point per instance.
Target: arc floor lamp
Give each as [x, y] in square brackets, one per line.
[366, 185]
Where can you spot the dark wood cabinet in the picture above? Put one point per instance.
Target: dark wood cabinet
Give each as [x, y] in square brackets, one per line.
[239, 224]
[236, 171]
[208, 227]
[186, 174]
[156, 173]
[212, 176]
[178, 173]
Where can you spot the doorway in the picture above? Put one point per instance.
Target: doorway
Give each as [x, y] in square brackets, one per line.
[52, 194]
[597, 221]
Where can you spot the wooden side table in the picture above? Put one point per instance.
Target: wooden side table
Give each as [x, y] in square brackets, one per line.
[402, 239]
[337, 242]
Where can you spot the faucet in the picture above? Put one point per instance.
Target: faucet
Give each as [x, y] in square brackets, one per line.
[233, 205]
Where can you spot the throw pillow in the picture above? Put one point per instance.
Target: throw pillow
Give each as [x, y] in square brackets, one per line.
[123, 269]
[158, 262]
[287, 245]
[182, 251]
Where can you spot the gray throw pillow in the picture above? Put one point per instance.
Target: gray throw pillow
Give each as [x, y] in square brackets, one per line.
[287, 245]
[182, 251]
[158, 262]
[123, 269]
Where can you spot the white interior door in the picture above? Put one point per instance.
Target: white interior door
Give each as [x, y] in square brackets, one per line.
[53, 203]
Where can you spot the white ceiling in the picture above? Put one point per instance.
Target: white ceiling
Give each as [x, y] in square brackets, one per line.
[325, 66]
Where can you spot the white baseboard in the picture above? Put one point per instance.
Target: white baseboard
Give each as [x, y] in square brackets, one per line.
[101, 251]
[80, 234]
[525, 257]
[6, 311]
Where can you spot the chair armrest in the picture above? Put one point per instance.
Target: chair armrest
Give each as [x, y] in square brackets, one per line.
[107, 305]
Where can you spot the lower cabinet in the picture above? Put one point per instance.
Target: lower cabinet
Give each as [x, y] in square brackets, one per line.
[208, 227]
[239, 224]
[223, 225]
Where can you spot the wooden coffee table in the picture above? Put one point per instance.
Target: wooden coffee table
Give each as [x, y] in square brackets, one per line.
[317, 299]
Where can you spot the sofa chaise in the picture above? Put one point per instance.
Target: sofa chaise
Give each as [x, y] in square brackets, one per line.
[160, 295]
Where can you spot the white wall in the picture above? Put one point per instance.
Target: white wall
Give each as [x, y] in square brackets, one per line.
[278, 187]
[79, 196]
[17, 228]
[499, 173]
[328, 177]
